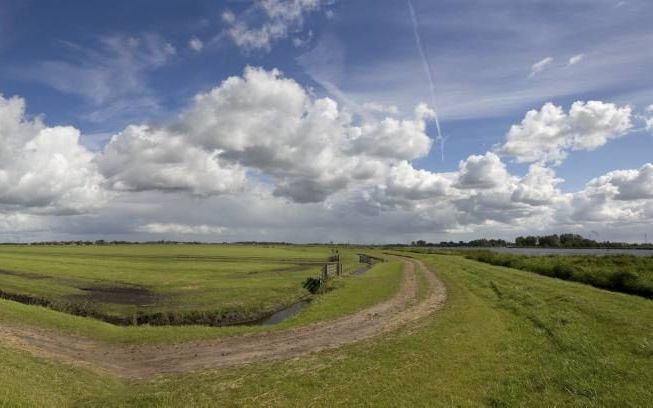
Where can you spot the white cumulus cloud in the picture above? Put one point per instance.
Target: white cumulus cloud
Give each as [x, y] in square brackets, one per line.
[142, 158]
[395, 139]
[269, 125]
[549, 134]
[482, 172]
[407, 182]
[44, 168]
[538, 187]
[627, 184]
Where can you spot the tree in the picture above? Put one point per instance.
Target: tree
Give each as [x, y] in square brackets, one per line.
[526, 241]
[549, 241]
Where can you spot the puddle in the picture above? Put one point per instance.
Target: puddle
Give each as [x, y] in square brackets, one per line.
[284, 314]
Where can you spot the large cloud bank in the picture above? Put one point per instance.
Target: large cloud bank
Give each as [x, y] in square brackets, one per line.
[271, 126]
[263, 141]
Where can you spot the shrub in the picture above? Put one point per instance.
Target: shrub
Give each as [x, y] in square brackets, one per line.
[624, 281]
[313, 285]
[564, 271]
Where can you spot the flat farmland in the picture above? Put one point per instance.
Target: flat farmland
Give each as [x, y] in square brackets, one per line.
[429, 329]
[160, 284]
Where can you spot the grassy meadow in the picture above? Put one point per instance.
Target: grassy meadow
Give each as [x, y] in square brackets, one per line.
[504, 338]
[346, 295]
[159, 284]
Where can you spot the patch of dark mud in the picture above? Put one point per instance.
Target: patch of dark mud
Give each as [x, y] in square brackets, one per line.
[79, 305]
[117, 295]
[77, 309]
[88, 304]
[26, 275]
[248, 259]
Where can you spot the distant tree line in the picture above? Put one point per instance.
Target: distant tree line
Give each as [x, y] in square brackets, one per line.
[572, 241]
[166, 242]
[102, 242]
[481, 243]
[542, 241]
[169, 242]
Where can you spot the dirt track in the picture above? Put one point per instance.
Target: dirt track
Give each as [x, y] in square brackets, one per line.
[150, 360]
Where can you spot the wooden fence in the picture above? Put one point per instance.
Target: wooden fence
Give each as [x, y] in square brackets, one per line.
[333, 267]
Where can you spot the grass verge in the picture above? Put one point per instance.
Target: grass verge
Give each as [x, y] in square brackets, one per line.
[619, 273]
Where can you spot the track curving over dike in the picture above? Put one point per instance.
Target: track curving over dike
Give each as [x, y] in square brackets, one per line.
[145, 361]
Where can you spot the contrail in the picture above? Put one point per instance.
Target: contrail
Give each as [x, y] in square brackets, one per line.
[429, 73]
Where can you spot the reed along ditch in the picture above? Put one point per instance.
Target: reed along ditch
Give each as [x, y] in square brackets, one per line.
[204, 318]
[283, 314]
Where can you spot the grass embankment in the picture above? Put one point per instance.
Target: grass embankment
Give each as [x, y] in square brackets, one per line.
[346, 296]
[505, 338]
[353, 293]
[27, 381]
[619, 273]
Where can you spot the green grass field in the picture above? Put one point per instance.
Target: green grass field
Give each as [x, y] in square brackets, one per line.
[504, 338]
[212, 283]
[348, 295]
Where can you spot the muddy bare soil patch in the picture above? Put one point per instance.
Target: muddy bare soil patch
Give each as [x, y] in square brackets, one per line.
[87, 305]
[26, 275]
[118, 295]
[77, 309]
[309, 261]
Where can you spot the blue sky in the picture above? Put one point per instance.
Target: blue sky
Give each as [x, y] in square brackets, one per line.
[100, 67]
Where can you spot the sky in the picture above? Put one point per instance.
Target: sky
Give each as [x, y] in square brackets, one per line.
[362, 121]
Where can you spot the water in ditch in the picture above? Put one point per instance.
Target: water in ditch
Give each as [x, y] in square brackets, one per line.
[284, 314]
